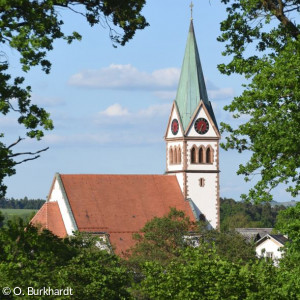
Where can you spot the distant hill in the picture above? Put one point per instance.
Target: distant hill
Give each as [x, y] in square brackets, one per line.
[238, 214]
[24, 203]
[286, 204]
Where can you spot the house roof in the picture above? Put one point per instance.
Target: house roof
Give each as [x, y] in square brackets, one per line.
[280, 238]
[253, 234]
[49, 217]
[120, 205]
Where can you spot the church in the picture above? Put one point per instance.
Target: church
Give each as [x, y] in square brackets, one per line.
[116, 206]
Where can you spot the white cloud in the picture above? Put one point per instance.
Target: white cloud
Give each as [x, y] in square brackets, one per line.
[126, 77]
[163, 82]
[115, 110]
[126, 116]
[77, 139]
[155, 110]
[220, 93]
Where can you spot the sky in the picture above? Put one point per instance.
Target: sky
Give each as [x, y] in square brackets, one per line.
[110, 106]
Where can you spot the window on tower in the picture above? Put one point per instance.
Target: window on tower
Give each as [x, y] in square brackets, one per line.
[175, 156]
[179, 155]
[171, 156]
[209, 155]
[201, 155]
[201, 182]
[193, 156]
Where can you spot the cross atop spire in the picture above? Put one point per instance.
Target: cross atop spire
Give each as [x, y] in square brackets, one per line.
[191, 6]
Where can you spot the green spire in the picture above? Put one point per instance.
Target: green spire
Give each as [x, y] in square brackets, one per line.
[191, 88]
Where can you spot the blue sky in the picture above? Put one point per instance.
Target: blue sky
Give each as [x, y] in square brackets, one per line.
[110, 106]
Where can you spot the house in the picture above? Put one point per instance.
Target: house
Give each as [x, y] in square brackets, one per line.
[116, 206]
[271, 246]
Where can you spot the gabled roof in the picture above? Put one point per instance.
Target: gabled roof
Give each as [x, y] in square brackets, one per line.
[49, 217]
[191, 87]
[280, 238]
[253, 234]
[120, 205]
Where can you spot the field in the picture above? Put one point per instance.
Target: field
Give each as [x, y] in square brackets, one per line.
[10, 214]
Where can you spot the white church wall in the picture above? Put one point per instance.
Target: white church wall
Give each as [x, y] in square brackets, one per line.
[180, 180]
[205, 198]
[57, 196]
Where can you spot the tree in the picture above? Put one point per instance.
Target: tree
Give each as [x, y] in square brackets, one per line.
[37, 259]
[31, 27]
[200, 273]
[161, 238]
[271, 101]
[288, 223]
[1, 219]
[243, 214]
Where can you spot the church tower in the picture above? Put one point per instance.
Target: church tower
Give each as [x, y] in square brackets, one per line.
[192, 139]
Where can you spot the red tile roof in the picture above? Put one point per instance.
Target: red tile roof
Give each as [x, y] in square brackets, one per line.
[49, 217]
[121, 204]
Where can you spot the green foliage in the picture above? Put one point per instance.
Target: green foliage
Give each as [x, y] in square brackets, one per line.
[29, 258]
[31, 27]
[1, 219]
[270, 101]
[161, 238]
[220, 268]
[162, 241]
[243, 214]
[288, 222]
[200, 273]
[13, 214]
[230, 245]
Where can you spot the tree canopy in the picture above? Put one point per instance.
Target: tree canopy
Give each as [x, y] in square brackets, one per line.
[236, 214]
[220, 267]
[30, 27]
[262, 39]
[37, 259]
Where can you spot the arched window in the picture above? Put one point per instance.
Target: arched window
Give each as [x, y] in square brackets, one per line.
[193, 155]
[201, 155]
[175, 156]
[179, 155]
[208, 155]
[171, 156]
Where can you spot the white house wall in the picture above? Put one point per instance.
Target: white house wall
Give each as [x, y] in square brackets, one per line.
[56, 195]
[271, 246]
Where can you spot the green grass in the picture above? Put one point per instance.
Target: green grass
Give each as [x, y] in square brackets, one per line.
[10, 214]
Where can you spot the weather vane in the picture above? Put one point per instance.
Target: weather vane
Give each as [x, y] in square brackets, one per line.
[191, 6]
